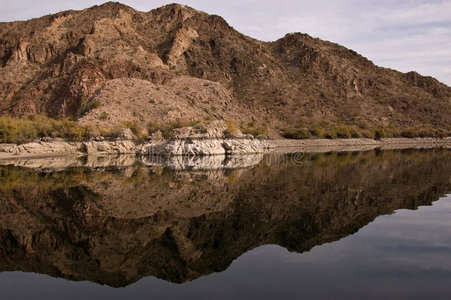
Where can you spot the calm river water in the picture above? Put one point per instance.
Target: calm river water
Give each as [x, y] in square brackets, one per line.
[361, 225]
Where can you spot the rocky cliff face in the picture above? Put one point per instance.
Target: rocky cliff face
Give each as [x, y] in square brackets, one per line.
[110, 63]
[116, 225]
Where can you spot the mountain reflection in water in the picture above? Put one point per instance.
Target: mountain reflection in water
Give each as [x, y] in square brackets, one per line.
[183, 218]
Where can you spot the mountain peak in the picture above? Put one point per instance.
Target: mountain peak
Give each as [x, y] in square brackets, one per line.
[112, 4]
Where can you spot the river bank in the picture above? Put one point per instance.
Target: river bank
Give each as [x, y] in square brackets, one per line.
[358, 144]
[208, 147]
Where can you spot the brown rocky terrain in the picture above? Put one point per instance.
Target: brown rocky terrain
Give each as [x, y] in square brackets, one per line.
[116, 225]
[110, 63]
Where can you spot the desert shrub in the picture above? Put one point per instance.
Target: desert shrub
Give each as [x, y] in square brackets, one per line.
[14, 130]
[379, 133]
[153, 126]
[115, 131]
[167, 134]
[254, 129]
[295, 133]
[103, 131]
[342, 132]
[366, 133]
[355, 132]
[330, 134]
[260, 131]
[317, 132]
[441, 133]
[410, 133]
[76, 133]
[167, 129]
[134, 126]
[424, 132]
[88, 106]
[391, 132]
[143, 135]
[201, 127]
[232, 127]
[182, 123]
[104, 116]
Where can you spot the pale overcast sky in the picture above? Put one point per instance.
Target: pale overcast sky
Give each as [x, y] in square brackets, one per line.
[401, 34]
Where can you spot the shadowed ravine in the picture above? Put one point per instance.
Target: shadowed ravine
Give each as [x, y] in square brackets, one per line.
[115, 225]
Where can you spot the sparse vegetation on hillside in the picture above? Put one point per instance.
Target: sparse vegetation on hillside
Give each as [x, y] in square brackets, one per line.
[13, 130]
[22, 130]
[330, 131]
[232, 128]
[87, 107]
[257, 130]
[135, 128]
[167, 129]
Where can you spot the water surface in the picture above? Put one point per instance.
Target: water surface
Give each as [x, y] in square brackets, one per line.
[366, 224]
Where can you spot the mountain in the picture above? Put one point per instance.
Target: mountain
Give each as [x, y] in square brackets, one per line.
[111, 63]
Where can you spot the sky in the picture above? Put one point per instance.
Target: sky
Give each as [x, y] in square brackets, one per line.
[406, 35]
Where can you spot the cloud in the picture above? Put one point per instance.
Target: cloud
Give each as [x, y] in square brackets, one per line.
[400, 34]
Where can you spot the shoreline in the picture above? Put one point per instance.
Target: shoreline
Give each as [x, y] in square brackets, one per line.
[61, 148]
[356, 144]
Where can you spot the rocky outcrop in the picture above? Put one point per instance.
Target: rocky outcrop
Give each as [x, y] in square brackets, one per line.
[61, 147]
[208, 139]
[41, 148]
[104, 148]
[180, 44]
[172, 147]
[206, 147]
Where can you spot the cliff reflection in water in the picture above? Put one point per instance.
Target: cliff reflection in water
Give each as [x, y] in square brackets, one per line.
[184, 218]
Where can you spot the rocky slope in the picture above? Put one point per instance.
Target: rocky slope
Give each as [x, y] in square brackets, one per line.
[116, 225]
[110, 63]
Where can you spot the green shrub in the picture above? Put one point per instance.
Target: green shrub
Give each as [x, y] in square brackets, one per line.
[88, 106]
[317, 132]
[153, 126]
[232, 127]
[355, 132]
[134, 126]
[201, 128]
[367, 133]
[379, 133]
[342, 132]
[330, 134]
[424, 132]
[103, 116]
[167, 129]
[14, 130]
[295, 133]
[410, 133]
[255, 130]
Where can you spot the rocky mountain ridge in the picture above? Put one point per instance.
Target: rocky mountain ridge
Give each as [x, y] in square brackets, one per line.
[111, 63]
